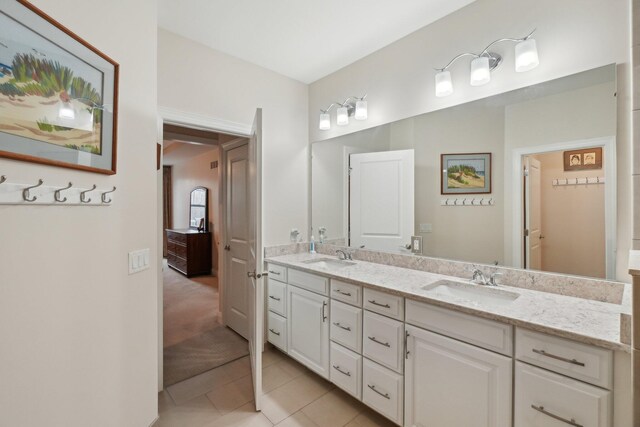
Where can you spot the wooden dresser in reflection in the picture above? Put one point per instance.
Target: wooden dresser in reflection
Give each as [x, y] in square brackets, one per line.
[189, 251]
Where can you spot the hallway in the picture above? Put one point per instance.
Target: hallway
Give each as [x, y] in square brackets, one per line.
[194, 339]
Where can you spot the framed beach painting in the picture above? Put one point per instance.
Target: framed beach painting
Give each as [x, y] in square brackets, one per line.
[58, 94]
[467, 173]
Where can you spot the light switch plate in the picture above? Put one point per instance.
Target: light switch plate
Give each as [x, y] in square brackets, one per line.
[426, 228]
[138, 260]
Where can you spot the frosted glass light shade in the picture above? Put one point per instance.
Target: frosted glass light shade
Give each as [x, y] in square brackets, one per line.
[526, 55]
[361, 110]
[65, 111]
[480, 73]
[444, 86]
[343, 116]
[325, 121]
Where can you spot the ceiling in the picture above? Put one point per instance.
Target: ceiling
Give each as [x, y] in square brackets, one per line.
[302, 39]
[175, 152]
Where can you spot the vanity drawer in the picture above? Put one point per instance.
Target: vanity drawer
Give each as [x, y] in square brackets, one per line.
[346, 370]
[277, 331]
[382, 390]
[346, 292]
[346, 325]
[277, 297]
[277, 272]
[489, 334]
[177, 237]
[382, 340]
[545, 399]
[581, 361]
[308, 281]
[383, 303]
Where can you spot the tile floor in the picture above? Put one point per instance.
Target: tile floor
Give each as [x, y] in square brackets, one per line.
[293, 397]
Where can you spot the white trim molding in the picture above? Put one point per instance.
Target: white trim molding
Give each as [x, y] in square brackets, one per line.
[203, 122]
[610, 195]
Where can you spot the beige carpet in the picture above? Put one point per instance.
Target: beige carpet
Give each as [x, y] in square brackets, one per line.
[201, 353]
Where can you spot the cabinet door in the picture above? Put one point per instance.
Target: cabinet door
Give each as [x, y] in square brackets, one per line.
[308, 329]
[450, 383]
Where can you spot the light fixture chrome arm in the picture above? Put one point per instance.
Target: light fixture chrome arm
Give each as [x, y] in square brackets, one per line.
[527, 37]
[342, 104]
[462, 55]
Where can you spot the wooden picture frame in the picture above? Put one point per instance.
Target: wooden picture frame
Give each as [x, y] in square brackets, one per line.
[69, 87]
[465, 173]
[585, 159]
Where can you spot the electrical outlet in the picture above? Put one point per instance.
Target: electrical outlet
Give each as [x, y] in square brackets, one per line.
[138, 260]
[416, 244]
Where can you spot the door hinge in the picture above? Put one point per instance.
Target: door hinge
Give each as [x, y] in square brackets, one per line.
[526, 172]
[349, 171]
[526, 232]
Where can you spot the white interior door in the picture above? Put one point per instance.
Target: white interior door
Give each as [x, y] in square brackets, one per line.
[533, 214]
[381, 201]
[238, 240]
[255, 261]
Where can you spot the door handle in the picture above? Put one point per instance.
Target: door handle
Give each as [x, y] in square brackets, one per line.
[227, 247]
[253, 274]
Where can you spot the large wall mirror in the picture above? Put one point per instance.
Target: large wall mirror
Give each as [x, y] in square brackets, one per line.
[524, 179]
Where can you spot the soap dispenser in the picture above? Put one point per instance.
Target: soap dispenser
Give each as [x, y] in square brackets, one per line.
[312, 245]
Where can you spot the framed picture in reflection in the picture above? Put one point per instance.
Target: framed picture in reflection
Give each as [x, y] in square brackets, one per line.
[466, 173]
[586, 159]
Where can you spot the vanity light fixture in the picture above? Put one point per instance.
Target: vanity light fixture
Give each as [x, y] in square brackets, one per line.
[486, 61]
[353, 106]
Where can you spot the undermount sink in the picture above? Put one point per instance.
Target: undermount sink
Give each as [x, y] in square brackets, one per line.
[329, 262]
[473, 293]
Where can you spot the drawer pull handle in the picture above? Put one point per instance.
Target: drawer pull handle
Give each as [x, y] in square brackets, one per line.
[274, 332]
[553, 356]
[372, 301]
[385, 395]
[277, 273]
[346, 328]
[346, 294]
[337, 368]
[274, 298]
[571, 422]
[324, 316]
[386, 344]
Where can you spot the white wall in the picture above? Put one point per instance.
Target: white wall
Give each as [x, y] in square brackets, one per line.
[196, 79]
[78, 334]
[185, 176]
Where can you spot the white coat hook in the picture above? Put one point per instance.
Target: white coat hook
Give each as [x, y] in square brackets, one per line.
[104, 197]
[27, 196]
[56, 194]
[83, 195]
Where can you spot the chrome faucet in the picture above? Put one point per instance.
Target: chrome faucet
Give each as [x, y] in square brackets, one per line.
[343, 255]
[481, 279]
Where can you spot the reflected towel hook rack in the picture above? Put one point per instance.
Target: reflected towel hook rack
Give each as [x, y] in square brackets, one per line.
[56, 194]
[27, 196]
[83, 194]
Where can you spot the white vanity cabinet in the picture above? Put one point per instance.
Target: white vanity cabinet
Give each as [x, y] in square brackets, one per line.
[308, 329]
[451, 383]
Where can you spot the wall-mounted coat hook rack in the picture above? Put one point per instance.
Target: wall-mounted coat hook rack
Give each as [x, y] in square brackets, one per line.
[83, 194]
[26, 193]
[466, 201]
[104, 197]
[56, 194]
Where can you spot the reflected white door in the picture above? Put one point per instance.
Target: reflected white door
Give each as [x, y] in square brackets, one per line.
[238, 240]
[381, 203]
[533, 214]
[255, 261]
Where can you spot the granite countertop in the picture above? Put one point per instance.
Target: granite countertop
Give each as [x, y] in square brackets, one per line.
[591, 322]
